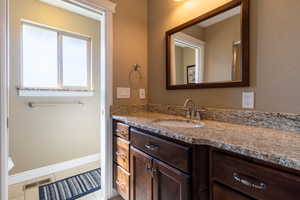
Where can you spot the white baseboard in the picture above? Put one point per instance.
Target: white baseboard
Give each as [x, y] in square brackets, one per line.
[44, 171]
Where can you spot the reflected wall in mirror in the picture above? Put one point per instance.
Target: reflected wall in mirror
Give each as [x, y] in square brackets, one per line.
[211, 50]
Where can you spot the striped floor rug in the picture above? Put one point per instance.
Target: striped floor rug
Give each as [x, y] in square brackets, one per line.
[73, 187]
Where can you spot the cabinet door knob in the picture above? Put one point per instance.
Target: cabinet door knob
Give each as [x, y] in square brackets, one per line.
[248, 181]
[148, 167]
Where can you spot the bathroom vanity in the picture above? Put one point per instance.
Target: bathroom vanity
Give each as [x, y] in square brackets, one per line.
[243, 155]
[151, 167]
[218, 161]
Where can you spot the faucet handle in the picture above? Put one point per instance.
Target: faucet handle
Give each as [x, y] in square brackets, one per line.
[198, 112]
[188, 114]
[197, 115]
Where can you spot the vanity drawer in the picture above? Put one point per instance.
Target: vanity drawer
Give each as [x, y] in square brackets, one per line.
[222, 193]
[254, 180]
[121, 183]
[174, 154]
[122, 130]
[121, 156]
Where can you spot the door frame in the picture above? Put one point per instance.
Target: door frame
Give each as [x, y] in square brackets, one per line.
[106, 8]
[4, 88]
[199, 45]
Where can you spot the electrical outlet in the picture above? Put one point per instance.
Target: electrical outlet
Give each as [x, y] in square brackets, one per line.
[248, 100]
[123, 93]
[142, 93]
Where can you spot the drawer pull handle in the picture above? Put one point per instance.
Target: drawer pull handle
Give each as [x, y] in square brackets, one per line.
[155, 173]
[121, 132]
[120, 154]
[238, 178]
[148, 167]
[120, 184]
[152, 147]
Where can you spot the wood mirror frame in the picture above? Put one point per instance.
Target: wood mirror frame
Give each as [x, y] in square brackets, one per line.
[245, 44]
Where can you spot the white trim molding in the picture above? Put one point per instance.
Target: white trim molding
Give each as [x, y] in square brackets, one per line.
[54, 93]
[106, 5]
[90, 8]
[185, 38]
[106, 8]
[107, 100]
[45, 171]
[4, 85]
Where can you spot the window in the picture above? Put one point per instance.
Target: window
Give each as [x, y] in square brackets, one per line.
[54, 60]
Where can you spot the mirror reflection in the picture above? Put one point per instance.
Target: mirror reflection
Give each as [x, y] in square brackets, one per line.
[209, 51]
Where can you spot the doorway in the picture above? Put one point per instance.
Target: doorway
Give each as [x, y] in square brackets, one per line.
[103, 13]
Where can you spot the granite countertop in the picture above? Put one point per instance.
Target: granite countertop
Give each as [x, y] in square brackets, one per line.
[279, 147]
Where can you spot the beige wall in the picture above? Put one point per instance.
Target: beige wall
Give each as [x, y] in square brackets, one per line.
[274, 52]
[130, 47]
[219, 40]
[195, 31]
[44, 136]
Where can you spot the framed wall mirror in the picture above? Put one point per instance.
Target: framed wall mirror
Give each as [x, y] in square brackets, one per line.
[210, 51]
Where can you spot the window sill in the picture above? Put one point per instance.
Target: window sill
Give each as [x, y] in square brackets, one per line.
[54, 93]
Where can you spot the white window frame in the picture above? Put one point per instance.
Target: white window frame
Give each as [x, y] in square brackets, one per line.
[25, 91]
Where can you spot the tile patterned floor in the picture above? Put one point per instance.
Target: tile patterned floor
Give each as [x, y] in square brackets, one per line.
[16, 191]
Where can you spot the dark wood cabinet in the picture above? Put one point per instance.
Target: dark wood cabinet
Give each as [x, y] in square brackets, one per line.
[200, 172]
[148, 166]
[121, 130]
[141, 175]
[252, 179]
[157, 167]
[223, 193]
[121, 152]
[152, 179]
[169, 183]
[121, 147]
[174, 154]
[121, 183]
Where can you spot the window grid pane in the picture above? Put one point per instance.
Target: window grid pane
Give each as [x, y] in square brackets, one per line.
[75, 62]
[40, 57]
[54, 60]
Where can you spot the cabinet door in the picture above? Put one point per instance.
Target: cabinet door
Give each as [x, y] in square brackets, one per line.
[169, 183]
[141, 175]
[223, 193]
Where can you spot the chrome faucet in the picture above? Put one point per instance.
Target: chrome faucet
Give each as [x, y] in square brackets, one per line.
[191, 109]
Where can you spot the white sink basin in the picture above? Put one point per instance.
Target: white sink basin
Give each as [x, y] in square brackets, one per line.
[179, 123]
